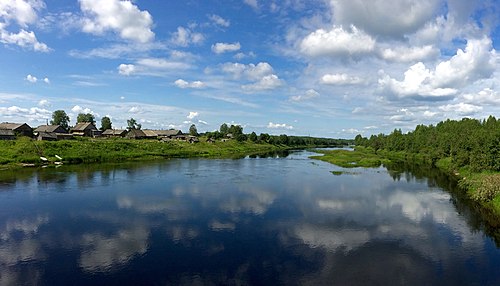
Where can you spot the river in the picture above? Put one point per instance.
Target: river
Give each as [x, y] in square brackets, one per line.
[278, 220]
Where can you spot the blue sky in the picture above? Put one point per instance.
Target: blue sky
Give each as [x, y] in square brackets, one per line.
[321, 68]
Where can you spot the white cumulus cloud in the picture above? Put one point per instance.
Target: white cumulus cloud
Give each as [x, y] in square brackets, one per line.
[340, 79]
[185, 84]
[126, 69]
[309, 94]
[192, 115]
[31, 78]
[267, 82]
[220, 48]
[337, 42]
[218, 20]
[184, 37]
[461, 108]
[272, 125]
[120, 16]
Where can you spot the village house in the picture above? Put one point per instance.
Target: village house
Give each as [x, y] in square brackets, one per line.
[150, 134]
[21, 129]
[7, 134]
[51, 129]
[85, 129]
[110, 133]
[135, 134]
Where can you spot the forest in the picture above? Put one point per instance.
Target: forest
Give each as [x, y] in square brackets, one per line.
[470, 143]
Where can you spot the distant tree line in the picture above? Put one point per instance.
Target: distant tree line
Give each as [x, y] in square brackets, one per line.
[236, 132]
[468, 142]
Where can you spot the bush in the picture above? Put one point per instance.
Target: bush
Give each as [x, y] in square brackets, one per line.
[488, 188]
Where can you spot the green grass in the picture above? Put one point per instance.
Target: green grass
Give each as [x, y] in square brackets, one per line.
[86, 150]
[361, 157]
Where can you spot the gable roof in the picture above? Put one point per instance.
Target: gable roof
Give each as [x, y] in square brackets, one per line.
[171, 132]
[136, 133]
[12, 126]
[150, 133]
[117, 132]
[84, 126]
[49, 128]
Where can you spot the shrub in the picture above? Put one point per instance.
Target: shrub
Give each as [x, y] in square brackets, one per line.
[487, 188]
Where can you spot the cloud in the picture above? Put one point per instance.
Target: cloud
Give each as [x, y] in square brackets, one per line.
[25, 114]
[218, 20]
[408, 54]
[184, 84]
[309, 94]
[192, 115]
[340, 79]
[46, 80]
[461, 108]
[78, 109]
[184, 37]
[220, 48]
[337, 42]
[279, 126]
[250, 71]
[22, 12]
[31, 78]
[135, 110]
[153, 66]
[476, 62]
[122, 17]
[385, 18]
[126, 69]
[44, 103]
[267, 82]
[252, 3]
[23, 39]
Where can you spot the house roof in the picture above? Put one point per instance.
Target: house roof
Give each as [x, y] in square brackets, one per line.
[84, 126]
[136, 133]
[171, 132]
[150, 133]
[114, 132]
[48, 128]
[47, 135]
[6, 132]
[11, 126]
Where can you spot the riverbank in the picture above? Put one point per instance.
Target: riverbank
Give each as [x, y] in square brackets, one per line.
[481, 187]
[27, 152]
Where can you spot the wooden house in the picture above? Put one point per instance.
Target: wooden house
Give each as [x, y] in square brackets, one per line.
[21, 129]
[7, 134]
[51, 129]
[110, 133]
[46, 136]
[84, 129]
[135, 134]
[150, 134]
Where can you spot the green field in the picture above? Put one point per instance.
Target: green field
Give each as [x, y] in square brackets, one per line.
[85, 150]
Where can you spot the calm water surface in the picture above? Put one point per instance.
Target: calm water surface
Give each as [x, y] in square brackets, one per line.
[252, 221]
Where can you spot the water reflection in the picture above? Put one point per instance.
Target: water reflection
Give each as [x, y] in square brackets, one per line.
[273, 220]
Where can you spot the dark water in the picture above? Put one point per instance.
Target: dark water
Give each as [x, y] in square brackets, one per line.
[253, 221]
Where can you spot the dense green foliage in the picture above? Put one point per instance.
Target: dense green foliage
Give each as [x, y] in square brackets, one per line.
[59, 117]
[469, 143]
[468, 147]
[350, 159]
[85, 117]
[105, 123]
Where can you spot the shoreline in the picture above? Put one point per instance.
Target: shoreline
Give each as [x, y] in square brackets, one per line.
[470, 183]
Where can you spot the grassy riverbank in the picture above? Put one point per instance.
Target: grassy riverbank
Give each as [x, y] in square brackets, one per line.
[85, 150]
[482, 187]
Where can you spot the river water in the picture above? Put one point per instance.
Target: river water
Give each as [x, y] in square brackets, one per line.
[254, 221]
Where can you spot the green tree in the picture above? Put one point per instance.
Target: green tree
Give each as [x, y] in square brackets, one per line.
[105, 123]
[59, 117]
[235, 130]
[192, 130]
[85, 117]
[253, 137]
[224, 129]
[132, 124]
